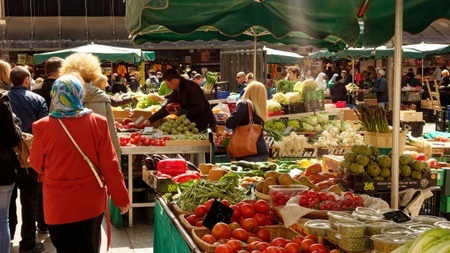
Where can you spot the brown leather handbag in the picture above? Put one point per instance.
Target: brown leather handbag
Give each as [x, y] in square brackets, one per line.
[243, 140]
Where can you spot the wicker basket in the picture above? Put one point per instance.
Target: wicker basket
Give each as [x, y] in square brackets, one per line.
[177, 211]
[275, 231]
[186, 225]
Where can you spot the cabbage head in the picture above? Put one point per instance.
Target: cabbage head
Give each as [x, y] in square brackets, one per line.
[280, 98]
[273, 106]
[309, 85]
[294, 97]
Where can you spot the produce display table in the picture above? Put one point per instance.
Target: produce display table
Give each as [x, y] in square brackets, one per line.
[169, 236]
[200, 150]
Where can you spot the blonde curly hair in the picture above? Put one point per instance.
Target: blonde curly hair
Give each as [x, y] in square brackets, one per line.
[86, 64]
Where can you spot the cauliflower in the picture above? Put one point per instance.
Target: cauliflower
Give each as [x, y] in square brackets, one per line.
[406, 159]
[309, 85]
[362, 159]
[356, 169]
[417, 166]
[373, 169]
[405, 170]
[384, 161]
[273, 106]
[385, 173]
[416, 175]
[281, 98]
[294, 97]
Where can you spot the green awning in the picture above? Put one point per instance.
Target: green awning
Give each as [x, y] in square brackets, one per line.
[279, 56]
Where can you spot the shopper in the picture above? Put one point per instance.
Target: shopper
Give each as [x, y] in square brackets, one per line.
[338, 92]
[10, 136]
[134, 81]
[191, 98]
[51, 68]
[118, 86]
[28, 107]
[74, 202]
[5, 82]
[381, 89]
[240, 78]
[257, 94]
[88, 66]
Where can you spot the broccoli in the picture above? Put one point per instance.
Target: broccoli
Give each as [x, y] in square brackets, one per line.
[356, 169]
[350, 156]
[385, 173]
[362, 150]
[373, 169]
[362, 159]
[406, 159]
[405, 170]
[384, 161]
[416, 175]
[378, 178]
[417, 166]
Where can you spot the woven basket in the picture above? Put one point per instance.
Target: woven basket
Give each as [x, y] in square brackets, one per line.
[275, 231]
[177, 211]
[186, 225]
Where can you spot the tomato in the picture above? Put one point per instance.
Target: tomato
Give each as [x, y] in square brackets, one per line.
[234, 244]
[306, 243]
[331, 197]
[242, 251]
[279, 241]
[335, 251]
[199, 223]
[209, 203]
[250, 225]
[263, 234]
[323, 196]
[262, 246]
[237, 212]
[261, 206]
[303, 200]
[312, 194]
[318, 247]
[200, 211]
[234, 225]
[260, 218]
[292, 247]
[209, 239]
[240, 234]
[311, 237]
[272, 249]
[225, 202]
[252, 245]
[191, 219]
[253, 239]
[247, 210]
[299, 239]
[221, 231]
[223, 248]
[348, 194]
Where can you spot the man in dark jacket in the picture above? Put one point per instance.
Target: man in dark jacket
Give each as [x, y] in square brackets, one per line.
[52, 67]
[381, 89]
[191, 98]
[28, 107]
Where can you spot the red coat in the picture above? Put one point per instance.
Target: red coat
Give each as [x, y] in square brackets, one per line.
[71, 192]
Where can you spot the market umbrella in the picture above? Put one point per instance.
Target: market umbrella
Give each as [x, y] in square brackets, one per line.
[103, 52]
[279, 56]
[429, 49]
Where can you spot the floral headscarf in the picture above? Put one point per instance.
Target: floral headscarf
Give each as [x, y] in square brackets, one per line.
[67, 98]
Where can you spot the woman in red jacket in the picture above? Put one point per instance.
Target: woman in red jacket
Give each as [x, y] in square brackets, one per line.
[74, 202]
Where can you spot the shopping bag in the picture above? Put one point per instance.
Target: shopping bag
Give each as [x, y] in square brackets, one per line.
[114, 214]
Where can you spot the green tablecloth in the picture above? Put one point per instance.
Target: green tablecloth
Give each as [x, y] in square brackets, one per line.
[167, 238]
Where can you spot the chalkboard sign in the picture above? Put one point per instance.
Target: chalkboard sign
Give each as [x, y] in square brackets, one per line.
[218, 213]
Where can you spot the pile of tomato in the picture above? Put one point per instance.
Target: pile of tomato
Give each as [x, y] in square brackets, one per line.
[330, 201]
[137, 139]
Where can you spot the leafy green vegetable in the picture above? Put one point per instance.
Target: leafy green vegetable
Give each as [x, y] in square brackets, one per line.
[426, 240]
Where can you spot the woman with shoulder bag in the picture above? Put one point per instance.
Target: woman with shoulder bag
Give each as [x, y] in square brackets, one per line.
[74, 200]
[256, 94]
[10, 136]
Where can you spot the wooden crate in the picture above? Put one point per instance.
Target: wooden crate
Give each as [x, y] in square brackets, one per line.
[349, 114]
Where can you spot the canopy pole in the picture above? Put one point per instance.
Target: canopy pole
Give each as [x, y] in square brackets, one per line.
[255, 40]
[396, 102]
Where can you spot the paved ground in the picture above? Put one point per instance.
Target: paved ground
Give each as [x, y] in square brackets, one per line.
[138, 239]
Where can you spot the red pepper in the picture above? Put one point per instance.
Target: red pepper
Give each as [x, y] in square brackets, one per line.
[162, 175]
[189, 175]
[173, 166]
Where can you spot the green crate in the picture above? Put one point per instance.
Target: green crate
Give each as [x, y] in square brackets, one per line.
[440, 177]
[444, 206]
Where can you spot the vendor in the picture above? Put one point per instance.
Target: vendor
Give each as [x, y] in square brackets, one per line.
[191, 98]
[338, 92]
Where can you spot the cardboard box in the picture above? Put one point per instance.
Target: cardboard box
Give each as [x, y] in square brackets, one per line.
[349, 114]
[410, 116]
[364, 183]
[371, 101]
[330, 163]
